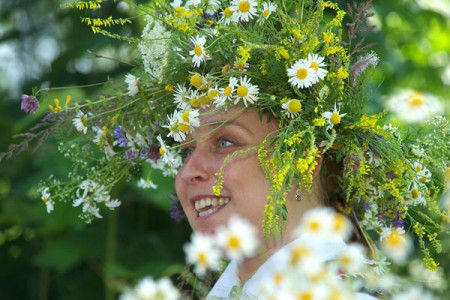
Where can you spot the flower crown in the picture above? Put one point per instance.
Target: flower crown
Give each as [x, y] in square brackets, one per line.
[287, 59]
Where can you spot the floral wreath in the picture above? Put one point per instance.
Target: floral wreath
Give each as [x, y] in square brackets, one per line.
[292, 60]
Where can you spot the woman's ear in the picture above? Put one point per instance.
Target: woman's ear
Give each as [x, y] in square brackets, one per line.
[319, 161]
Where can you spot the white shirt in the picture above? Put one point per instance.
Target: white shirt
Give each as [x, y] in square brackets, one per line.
[229, 279]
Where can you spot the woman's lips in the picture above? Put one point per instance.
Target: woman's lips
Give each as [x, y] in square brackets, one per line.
[208, 205]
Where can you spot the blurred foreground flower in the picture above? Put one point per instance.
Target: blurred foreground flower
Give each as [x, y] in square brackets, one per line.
[413, 106]
[148, 288]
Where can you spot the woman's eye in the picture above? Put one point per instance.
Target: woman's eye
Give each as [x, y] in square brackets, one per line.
[187, 152]
[224, 143]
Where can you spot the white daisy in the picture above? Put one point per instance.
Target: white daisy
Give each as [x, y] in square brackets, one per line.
[413, 106]
[166, 289]
[268, 9]
[191, 4]
[163, 149]
[146, 184]
[243, 10]
[422, 173]
[292, 108]
[301, 75]
[351, 259]
[316, 63]
[415, 196]
[318, 224]
[172, 125]
[188, 119]
[133, 84]
[198, 53]
[238, 240]
[181, 96]
[46, 198]
[99, 133]
[226, 93]
[80, 122]
[396, 244]
[146, 288]
[246, 91]
[333, 117]
[202, 253]
[226, 16]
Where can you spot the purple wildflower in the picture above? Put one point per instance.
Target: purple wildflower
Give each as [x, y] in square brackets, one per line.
[390, 175]
[118, 134]
[176, 211]
[153, 153]
[131, 154]
[29, 104]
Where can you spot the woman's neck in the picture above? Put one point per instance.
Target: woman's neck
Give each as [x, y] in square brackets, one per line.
[249, 266]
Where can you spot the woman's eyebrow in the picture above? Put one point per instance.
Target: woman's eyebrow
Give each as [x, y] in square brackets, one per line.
[219, 124]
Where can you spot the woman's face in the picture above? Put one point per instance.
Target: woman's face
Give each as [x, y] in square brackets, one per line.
[245, 188]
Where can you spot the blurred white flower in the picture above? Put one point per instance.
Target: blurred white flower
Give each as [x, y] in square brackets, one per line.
[202, 253]
[413, 106]
[133, 84]
[413, 293]
[324, 223]
[239, 239]
[396, 244]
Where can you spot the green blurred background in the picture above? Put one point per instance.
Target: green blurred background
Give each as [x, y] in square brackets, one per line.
[57, 255]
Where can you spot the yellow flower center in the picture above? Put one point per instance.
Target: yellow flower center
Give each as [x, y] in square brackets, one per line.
[416, 101]
[227, 91]
[242, 91]
[244, 6]
[202, 259]
[185, 116]
[423, 179]
[204, 100]
[183, 127]
[195, 102]
[161, 151]
[227, 13]
[294, 106]
[198, 50]
[278, 278]
[266, 13]
[298, 254]
[394, 239]
[302, 73]
[196, 80]
[415, 194]
[305, 296]
[212, 94]
[233, 242]
[314, 65]
[418, 168]
[314, 226]
[45, 199]
[335, 119]
[339, 222]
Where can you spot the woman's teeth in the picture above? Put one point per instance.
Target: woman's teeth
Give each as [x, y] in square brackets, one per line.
[211, 205]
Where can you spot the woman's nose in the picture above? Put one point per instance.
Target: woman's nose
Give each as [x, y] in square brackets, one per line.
[198, 167]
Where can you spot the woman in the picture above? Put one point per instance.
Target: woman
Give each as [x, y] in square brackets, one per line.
[245, 190]
[261, 97]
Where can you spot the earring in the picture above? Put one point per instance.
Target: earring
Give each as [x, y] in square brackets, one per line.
[298, 195]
